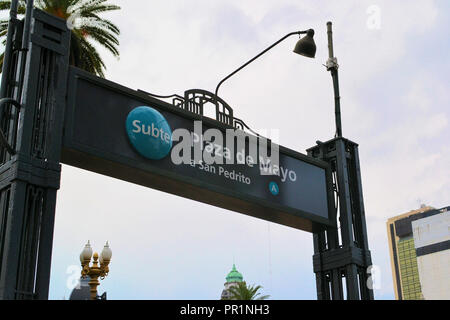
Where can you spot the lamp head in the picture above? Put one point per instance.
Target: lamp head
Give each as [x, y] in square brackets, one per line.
[106, 254]
[86, 254]
[306, 45]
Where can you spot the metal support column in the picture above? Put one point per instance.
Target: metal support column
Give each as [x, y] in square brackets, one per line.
[342, 253]
[32, 127]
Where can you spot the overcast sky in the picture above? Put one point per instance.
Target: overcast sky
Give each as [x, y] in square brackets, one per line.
[394, 69]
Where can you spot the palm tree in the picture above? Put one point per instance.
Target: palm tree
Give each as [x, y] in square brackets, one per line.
[244, 292]
[86, 27]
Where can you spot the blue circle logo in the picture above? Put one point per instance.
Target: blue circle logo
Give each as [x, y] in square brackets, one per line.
[274, 189]
[149, 132]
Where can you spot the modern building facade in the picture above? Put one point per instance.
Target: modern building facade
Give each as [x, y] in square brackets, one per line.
[404, 251]
[233, 278]
[432, 244]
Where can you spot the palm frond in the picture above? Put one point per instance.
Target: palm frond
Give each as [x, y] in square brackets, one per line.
[243, 292]
[90, 27]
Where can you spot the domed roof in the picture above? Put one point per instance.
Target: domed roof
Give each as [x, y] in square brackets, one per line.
[82, 291]
[234, 275]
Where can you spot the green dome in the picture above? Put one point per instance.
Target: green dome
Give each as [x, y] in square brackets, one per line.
[234, 275]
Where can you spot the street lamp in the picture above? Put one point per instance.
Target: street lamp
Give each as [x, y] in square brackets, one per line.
[95, 271]
[305, 47]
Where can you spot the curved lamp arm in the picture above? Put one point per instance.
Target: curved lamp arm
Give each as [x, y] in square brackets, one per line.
[259, 55]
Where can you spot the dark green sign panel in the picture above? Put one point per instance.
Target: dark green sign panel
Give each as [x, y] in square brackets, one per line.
[109, 130]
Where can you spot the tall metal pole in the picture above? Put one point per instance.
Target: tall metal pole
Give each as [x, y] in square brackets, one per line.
[8, 47]
[25, 44]
[333, 66]
[27, 26]
[341, 253]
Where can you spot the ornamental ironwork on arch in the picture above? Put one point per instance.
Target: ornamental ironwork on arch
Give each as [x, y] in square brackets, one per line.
[198, 101]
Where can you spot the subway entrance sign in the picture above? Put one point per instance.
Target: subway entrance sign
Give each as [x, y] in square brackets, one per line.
[128, 135]
[53, 113]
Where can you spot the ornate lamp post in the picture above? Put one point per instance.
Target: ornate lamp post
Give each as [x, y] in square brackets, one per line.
[95, 271]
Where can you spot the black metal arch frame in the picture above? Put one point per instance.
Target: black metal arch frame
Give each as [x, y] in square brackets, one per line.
[32, 113]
